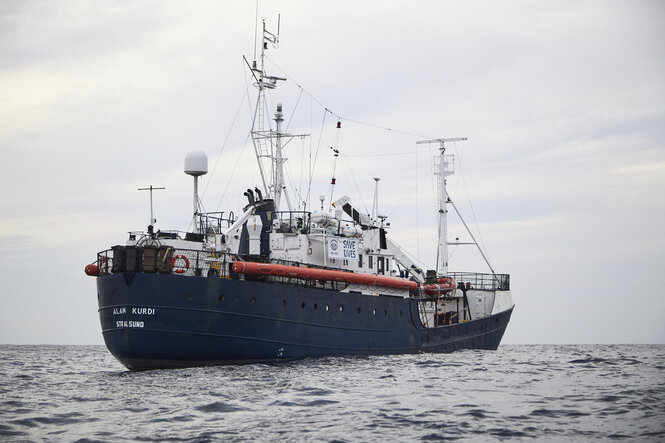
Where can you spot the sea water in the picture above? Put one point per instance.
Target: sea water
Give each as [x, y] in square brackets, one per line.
[525, 392]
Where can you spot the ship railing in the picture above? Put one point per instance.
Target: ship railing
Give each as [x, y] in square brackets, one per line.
[202, 263]
[189, 262]
[292, 221]
[485, 282]
[212, 222]
[169, 260]
[164, 260]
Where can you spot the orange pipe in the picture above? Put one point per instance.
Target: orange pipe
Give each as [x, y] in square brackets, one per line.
[243, 267]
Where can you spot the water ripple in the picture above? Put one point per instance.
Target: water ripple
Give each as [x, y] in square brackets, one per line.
[609, 392]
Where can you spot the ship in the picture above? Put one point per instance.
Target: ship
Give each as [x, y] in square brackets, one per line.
[280, 281]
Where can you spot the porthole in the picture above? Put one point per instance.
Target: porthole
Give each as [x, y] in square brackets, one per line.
[358, 310]
[221, 298]
[253, 300]
[341, 308]
[284, 302]
[373, 311]
[400, 313]
[385, 312]
[302, 305]
[327, 308]
[190, 296]
[316, 306]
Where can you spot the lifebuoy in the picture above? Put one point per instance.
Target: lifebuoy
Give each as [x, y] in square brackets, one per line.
[180, 269]
[91, 270]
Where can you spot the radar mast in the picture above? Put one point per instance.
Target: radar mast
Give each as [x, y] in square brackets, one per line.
[268, 144]
[443, 167]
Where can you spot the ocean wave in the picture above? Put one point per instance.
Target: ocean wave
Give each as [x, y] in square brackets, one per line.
[518, 392]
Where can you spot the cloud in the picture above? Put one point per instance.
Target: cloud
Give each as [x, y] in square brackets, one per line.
[563, 105]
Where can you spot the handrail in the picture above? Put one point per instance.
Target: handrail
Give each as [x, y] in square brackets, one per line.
[202, 263]
[487, 282]
[190, 261]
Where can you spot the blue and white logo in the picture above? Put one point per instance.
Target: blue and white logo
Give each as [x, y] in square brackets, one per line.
[343, 248]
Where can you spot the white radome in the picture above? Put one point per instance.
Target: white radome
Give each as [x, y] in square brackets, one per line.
[196, 163]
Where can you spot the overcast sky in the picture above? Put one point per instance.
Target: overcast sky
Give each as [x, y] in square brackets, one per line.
[563, 104]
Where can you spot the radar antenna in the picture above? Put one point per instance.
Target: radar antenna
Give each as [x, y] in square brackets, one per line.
[443, 167]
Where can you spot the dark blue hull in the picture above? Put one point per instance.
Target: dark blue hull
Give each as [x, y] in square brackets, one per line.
[163, 321]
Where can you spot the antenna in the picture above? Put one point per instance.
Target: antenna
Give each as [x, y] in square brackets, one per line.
[333, 181]
[151, 188]
[256, 24]
[375, 206]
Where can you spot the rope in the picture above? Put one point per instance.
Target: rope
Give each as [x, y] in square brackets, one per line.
[417, 212]
[355, 183]
[332, 182]
[385, 128]
[293, 112]
[468, 198]
[221, 150]
[235, 168]
[311, 169]
[380, 155]
[339, 117]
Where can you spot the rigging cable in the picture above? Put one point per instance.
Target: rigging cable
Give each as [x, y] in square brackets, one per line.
[256, 24]
[385, 128]
[417, 211]
[466, 189]
[332, 182]
[415, 259]
[305, 202]
[221, 150]
[355, 182]
[380, 155]
[312, 166]
[298, 190]
[302, 165]
[288, 124]
[235, 168]
[286, 167]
